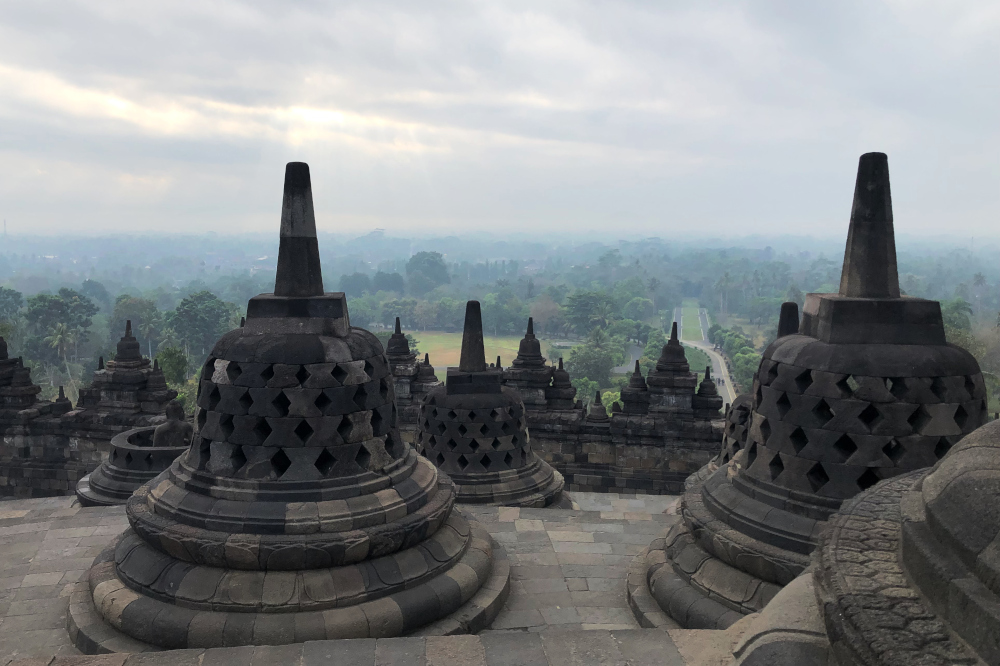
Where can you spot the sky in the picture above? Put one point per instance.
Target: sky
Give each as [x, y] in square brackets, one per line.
[617, 119]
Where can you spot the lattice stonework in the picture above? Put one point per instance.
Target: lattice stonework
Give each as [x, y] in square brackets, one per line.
[470, 441]
[835, 434]
[268, 420]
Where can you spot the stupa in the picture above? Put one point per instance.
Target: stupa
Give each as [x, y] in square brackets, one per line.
[867, 389]
[671, 383]
[474, 428]
[560, 395]
[528, 373]
[297, 513]
[411, 379]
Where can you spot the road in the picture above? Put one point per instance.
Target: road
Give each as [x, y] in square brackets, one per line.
[635, 352]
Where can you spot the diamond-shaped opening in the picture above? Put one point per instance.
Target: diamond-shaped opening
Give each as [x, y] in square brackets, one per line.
[383, 388]
[148, 461]
[919, 419]
[869, 415]
[494, 414]
[114, 454]
[237, 458]
[751, 455]
[340, 373]
[452, 416]
[515, 440]
[758, 398]
[961, 417]
[817, 477]
[970, 386]
[472, 415]
[938, 388]
[432, 401]
[128, 458]
[302, 375]
[776, 466]
[485, 461]
[233, 371]
[325, 462]
[214, 397]
[262, 430]
[804, 381]
[226, 426]
[246, 401]
[392, 446]
[845, 446]
[369, 370]
[376, 423]
[267, 373]
[474, 445]
[344, 428]
[894, 451]
[462, 430]
[462, 461]
[432, 440]
[772, 374]
[798, 439]
[362, 458]
[322, 402]
[783, 404]
[303, 431]
[845, 388]
[484, 429]
[441, 428]
[281, 404]
[823, 412]
[495, 444]
[868, 479]
[209, 368]
[439, 460]
[896, 386]
[508, 459]
[765, 431]
[361, 396]
[505, 428]
[202, 418]
[280, 463]
[204, 452]
[942, 448]
[451, 444]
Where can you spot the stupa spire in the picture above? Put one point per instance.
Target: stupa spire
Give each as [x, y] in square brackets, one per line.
[788, 320]
[398, 328]
[299, 272]
[870, 258]
[673, 332]
[473, 352]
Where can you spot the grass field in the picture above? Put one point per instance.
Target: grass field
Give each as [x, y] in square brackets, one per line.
[697, 359]
[446, 349]
[690, 320]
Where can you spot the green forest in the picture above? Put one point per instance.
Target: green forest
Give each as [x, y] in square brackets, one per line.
[64, 302]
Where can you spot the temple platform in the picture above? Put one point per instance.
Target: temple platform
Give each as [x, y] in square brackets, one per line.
[567, 602]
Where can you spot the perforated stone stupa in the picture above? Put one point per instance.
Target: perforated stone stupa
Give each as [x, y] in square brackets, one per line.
[865, 390]
[297, 513]
[474, 428]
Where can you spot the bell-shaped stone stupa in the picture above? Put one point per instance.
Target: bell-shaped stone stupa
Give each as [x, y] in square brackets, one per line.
[865, 390]
[474, 429]
[297, 512]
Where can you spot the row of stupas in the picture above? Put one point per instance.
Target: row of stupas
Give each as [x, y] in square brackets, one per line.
[853, 505]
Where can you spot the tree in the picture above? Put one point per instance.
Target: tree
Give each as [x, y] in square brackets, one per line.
[10, 303]
[388, 282]
[545, 311]
[586, 309]
[592, 362]
[404, 308]
[96, 292]
[45, 311]
[355, 284]
[61, 338]
[146, 318]
[201, 319]
[425, 315]
[957, 314]
[425, 271]
[638, 309]
[174, 364]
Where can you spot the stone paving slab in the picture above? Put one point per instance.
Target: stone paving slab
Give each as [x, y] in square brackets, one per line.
[568, 568]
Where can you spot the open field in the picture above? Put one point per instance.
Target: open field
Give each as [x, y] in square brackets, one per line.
[692, 325]
[697, 359]
[446, 348]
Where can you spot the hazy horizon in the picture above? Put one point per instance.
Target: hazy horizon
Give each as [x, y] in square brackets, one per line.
[597, 119]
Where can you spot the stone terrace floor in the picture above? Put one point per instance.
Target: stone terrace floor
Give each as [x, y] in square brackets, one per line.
[568, 568]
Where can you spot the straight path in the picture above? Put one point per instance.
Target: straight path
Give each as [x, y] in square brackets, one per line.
[635, 352]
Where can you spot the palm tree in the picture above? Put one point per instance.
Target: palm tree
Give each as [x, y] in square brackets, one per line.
[61, 337]
[723, 285]
[978, 286]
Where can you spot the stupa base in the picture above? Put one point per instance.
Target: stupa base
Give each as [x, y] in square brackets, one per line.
[107, 616]
[535, 485]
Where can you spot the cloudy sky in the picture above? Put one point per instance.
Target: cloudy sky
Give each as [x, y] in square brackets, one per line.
[620, 118]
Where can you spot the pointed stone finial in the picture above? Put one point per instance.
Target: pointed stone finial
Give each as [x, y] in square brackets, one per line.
[243, 322]
[473, 352]
[398, 329]
[637, 370]
[708, 373]
[299, 272]
[531, 326]
[62, 394]
[788, 320]
[498, 361]
[100, 362]
[597, 398]
[128, 328]
[3, 349]
[870, 258]
[156, 364]
[427, 359]
[673, 332]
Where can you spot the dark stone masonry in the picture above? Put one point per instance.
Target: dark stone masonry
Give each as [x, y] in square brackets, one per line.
[865, 389]
[297, 513]
[475, 428]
